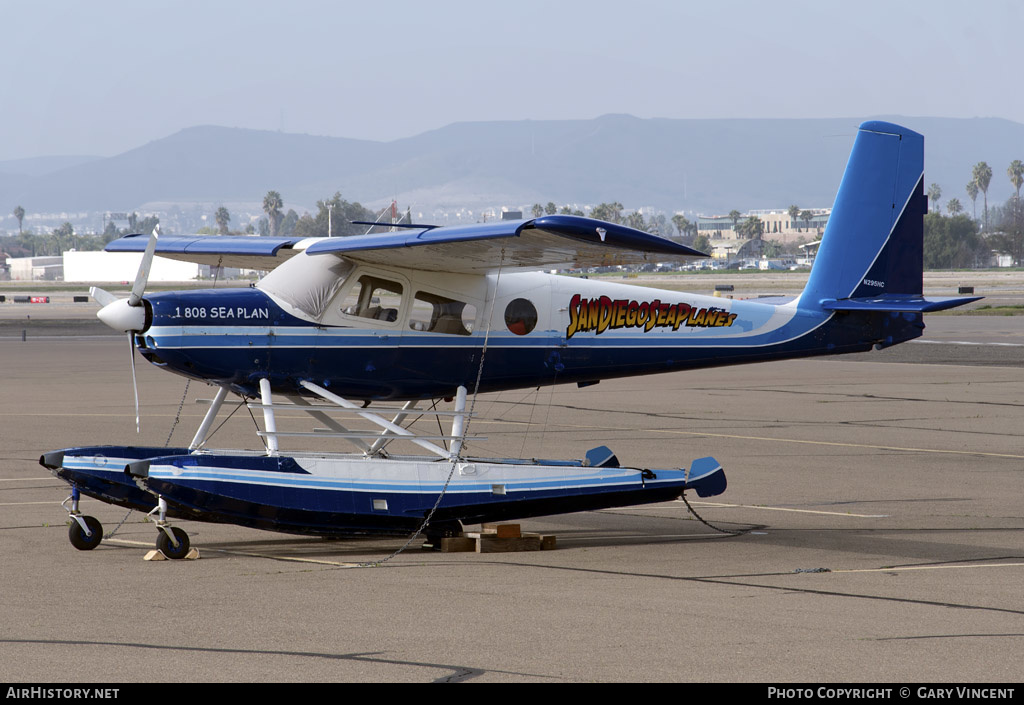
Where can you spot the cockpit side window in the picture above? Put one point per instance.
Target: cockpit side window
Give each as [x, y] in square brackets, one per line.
[373, 297]
[434, 313]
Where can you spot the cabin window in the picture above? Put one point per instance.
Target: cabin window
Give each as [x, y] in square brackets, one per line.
[373, 297]
[520, 316]
[433, 313]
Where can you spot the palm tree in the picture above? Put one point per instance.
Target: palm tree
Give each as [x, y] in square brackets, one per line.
[610, 212]
[972, 193]
[752, 228]
[735, 215]
[702, 243]
[794, 213]
[934, 194]
[983, 177]
[682, 224]
[222, 217]
[272, 205]
[636, 221]
[807, 217]
[63, 238]
[19, 213]
[953, 206]
[1016, 174]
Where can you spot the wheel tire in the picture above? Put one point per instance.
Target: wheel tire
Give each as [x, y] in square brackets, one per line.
[164, 545]
[78, 537]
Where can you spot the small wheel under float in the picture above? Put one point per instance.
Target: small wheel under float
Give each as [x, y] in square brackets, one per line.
[87, 538]
[166, 546]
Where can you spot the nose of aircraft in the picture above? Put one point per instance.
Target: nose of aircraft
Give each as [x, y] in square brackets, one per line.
[131, 314]
[123, 317]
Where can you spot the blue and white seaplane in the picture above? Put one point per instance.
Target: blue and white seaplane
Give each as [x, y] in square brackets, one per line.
[345, 326]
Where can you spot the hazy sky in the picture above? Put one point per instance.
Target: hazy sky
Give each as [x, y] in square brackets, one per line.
[105, 76]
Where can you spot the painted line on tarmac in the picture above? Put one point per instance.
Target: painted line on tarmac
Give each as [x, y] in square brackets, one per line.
[927, 567]
[788, 509]
[30, 338]
[249, 554]
[127, 542]
[966, 342]
[293, 559]
[751, 506]
[738, 437]
[18, 504]
[24, 479]
[638, 537]
[734, 436]
[823, 443]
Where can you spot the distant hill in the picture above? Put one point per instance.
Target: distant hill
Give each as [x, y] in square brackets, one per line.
[37, 166]
[15, 174]
[708, 166]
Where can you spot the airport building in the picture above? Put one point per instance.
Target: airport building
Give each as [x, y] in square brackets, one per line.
[123, 266]
[728, 241]
[99, 266]
[36, 268]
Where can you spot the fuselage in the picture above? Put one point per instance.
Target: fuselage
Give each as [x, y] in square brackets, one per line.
[373, 332]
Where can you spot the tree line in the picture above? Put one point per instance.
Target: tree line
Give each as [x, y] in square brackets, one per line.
[958, 240]
[954, 240]
[951, 240]
[334, 215]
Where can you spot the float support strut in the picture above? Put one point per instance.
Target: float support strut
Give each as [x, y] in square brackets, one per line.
[211, 414]
[459, 422]
[269, 422]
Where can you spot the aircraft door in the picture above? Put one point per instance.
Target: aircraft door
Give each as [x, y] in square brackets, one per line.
[359, 340]
[438, 342]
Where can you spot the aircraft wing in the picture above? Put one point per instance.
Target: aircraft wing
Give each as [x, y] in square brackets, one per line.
[246, 252]
[548, 242]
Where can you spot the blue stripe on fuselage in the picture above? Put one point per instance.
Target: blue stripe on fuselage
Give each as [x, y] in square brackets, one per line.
[393, 363]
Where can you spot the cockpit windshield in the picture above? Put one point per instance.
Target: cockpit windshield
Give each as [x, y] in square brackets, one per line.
[307, 282]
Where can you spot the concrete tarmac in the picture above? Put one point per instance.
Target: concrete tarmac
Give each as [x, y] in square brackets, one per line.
[877, 501]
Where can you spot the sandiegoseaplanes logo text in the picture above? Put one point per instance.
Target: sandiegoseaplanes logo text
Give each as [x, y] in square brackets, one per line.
[604, 313]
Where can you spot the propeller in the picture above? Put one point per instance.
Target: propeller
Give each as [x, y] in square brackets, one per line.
[129, 315]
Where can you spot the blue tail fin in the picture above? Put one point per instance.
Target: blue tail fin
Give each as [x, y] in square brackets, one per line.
[871, 255]
[872, 246]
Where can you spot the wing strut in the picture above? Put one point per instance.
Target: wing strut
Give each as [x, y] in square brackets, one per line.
[391, 430]
[400, 417]
[379, 420]
[323, 418]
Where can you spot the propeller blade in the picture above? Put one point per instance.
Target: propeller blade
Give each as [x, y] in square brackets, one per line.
[139, 288]
[135, 386]
[101, 296]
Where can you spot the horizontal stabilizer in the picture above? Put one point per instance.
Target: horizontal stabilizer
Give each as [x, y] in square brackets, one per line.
[897, 303]
[706, 477]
